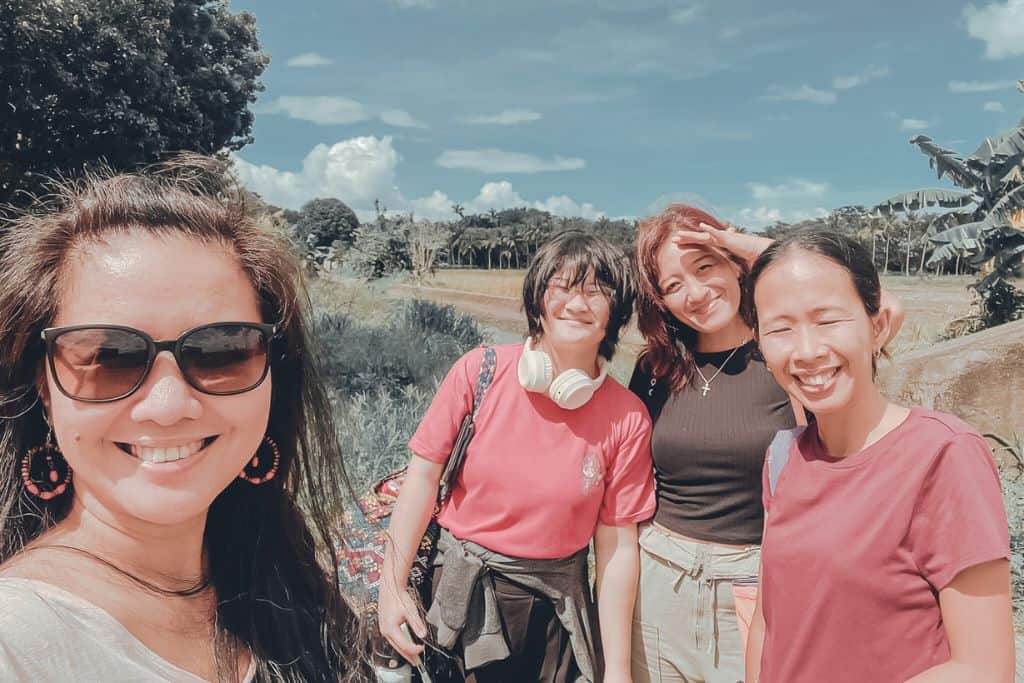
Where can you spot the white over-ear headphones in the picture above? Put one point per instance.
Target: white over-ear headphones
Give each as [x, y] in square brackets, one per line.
[570, 390]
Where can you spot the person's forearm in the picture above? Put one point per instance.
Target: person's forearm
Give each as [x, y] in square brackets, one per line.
[755, 638]
[618, 570]
[953, 671]
[755, 644]
[408, 522]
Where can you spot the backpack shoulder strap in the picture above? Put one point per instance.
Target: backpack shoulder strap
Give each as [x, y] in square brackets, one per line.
[778, 454]
[483, 380]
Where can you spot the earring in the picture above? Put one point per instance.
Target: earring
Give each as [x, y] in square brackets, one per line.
[52, 484]
[256, 474]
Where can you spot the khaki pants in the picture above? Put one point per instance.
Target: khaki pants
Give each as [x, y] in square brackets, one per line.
[685, 627]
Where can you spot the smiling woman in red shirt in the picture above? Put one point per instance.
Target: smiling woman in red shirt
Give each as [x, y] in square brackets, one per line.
[885, 552]
[560, 457]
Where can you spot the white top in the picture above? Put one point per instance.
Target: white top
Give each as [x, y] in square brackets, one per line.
[48, 634]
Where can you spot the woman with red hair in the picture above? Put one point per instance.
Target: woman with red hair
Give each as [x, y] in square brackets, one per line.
[716, 408]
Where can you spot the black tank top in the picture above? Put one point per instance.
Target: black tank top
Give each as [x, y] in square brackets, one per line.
[709, 449]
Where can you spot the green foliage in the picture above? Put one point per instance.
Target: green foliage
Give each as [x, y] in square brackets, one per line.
[415, 348]
[322, 222]
[381, 248]
[987, 220]
[120, 81]
[382, 379]
[430, 319]
[374, 429]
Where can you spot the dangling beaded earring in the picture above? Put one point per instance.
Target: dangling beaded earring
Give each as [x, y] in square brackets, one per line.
[256, 473]
[52, 484]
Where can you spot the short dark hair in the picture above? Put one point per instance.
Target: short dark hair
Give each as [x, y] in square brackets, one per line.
[578, 255]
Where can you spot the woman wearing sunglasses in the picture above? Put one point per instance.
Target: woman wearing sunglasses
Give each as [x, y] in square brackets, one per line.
[560, 457]
[886, 546]
[160, 418]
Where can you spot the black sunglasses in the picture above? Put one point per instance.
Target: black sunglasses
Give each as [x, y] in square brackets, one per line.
[100, 363]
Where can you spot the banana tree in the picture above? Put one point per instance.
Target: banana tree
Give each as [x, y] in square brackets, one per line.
[986, 219]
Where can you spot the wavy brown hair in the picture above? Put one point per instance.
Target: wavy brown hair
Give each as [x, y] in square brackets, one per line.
[668, 343]
[270, 561]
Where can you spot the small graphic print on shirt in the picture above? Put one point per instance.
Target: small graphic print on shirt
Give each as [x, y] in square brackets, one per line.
[593, 472]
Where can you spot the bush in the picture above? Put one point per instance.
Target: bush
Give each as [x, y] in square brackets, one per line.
[415, 348]
[374, 429]
[428, 319]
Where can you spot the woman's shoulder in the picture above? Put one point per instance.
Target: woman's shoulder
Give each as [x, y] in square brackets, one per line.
[31, 604]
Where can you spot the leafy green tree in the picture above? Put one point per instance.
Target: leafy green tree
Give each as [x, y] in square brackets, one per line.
[986, 220]
[322, 222]
[122, 82]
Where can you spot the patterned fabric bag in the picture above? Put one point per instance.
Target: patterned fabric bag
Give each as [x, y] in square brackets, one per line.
[362, 532]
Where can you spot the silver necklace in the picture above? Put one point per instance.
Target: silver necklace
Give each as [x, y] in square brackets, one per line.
[707, 382]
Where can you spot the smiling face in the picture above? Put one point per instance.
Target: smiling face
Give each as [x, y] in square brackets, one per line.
[574, 315]
[815, 333]
[699, 286]
[161, 455]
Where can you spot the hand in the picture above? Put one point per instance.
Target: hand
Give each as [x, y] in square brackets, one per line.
[747, 247]
[397, 609]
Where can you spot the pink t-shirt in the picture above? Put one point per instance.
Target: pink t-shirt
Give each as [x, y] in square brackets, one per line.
[855, 550]
[537, 478]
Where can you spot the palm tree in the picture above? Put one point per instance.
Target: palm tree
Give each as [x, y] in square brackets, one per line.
[985, 220]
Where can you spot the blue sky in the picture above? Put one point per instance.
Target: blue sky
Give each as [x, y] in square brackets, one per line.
[759, 111]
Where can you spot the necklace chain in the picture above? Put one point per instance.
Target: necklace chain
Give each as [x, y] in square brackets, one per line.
[707, 382]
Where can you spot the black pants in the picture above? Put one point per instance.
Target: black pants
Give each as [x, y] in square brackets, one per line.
[538, 643]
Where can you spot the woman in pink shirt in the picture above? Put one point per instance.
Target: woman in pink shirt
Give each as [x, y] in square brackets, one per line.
[885, 552]
[560, 457]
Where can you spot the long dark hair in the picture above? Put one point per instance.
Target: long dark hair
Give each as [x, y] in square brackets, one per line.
[269, 548]
[668, 342]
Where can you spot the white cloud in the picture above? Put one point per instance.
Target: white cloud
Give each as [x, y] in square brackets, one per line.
[359, 170]
[761, 216]
[979, 86]
[322, 110]
[500, 161]
[437, 206]
[993, 105]
[328, 110]
[869, 74]
[309, 60]
[792, 187]
[914, 124]
[804, 93]
[685, 15]
[1000, 26]
[508, 117]
[499, 195]
[356, 171]
[563, 205]
[400, 118]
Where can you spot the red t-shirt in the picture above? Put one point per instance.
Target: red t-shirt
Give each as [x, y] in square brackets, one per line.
[537, 478]
[855, 550]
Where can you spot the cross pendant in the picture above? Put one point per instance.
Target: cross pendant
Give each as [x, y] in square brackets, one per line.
[705, 389]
